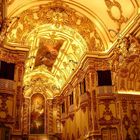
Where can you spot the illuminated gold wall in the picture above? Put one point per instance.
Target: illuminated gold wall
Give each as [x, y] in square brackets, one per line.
[11, 92]
[96, 112]
[103, 112]
[57, 48]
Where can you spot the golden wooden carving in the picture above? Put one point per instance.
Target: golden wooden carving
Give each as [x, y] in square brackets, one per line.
[57, 14]
[118, 19]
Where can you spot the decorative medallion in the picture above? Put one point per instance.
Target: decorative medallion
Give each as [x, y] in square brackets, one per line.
[115, 12]
[126, 122]
[108, 117]
[134, 116]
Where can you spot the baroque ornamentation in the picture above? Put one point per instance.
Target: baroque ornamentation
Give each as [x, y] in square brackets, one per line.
[25, 121]
[134, 116]
[108, 121]
[94, 99]
[120, 19]
[50, 115]
[85, 102]
[108, 117]
[126, 122]
[18, 108]
[126, 51]
[136, 132]
[39, 85]
[57, 14]
[20, 68]
[124, 105]
[66, 60]
[125, 63]
[4, 109]
[12, 56]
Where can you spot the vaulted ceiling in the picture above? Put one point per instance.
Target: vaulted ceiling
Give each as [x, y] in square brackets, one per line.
[58, 34]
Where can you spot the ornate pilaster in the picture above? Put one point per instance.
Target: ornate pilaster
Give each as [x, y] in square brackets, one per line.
[58, 119]
[20, 71]
[18, 108]
[94, 132]
[50, 116]
[18, 76]
[95, 116]
[90, 115]
[94, 101]
[25, 120]
[90, 121]
[5, 113]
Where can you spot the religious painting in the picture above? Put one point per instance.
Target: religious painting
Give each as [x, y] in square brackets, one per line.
[48, 52]
[37, 121]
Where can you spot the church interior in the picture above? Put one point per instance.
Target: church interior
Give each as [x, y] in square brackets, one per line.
[70, 70]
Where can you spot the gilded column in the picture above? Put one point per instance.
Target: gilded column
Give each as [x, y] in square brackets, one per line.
[25, 120]
[20, 71]
[58, 119]
[89, 102]
[50, 116]
[95, 134]
[19, 95]
[18, 108]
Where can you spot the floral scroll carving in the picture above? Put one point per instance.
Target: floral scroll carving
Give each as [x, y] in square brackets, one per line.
[126, 122]
[57, 14]
[118, 19]
[4, 113]
[108, 117]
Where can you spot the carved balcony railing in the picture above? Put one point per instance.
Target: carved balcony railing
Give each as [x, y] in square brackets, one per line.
[83, 98]
[84, 101]
[7, 86]
[71, 111]
[105, 89]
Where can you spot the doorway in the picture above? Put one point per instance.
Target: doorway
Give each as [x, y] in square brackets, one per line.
[109, 133]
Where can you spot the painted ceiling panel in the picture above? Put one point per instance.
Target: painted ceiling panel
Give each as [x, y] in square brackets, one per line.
[113, 14]
[47, 52]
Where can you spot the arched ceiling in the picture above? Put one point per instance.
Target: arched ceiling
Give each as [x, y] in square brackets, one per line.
[57, 34]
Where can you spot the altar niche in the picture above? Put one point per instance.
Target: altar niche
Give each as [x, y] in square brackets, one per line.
[37, 115]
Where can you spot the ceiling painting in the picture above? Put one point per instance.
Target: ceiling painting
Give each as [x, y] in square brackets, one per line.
[64, 48]
[48, 52]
